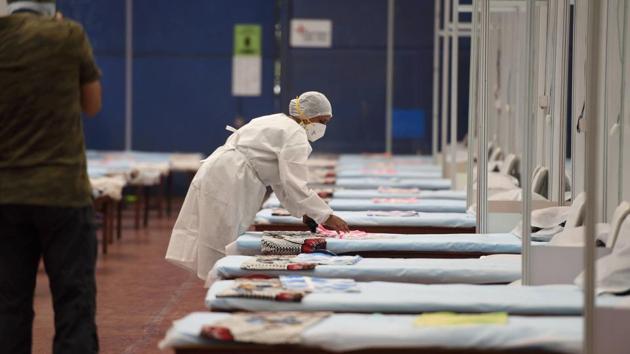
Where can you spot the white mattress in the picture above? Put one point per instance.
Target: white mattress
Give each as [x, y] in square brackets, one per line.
[361, 218]
[388, 297]
[498, 269]
[249, 244]
[345, 332]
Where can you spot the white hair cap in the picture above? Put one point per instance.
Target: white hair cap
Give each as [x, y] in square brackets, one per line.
[311, 104]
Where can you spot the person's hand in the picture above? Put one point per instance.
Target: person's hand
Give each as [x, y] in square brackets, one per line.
[336, 223]
[58, 16]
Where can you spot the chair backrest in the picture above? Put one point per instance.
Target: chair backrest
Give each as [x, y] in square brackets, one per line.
[510, 165]
[576, 215]
[496, 155]
[540, 181]
[619, 216]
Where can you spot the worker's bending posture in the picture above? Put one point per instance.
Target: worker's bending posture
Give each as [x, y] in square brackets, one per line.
[229, 188]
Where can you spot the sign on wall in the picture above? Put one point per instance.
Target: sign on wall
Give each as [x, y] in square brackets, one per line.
[311, 33]
[247, 60]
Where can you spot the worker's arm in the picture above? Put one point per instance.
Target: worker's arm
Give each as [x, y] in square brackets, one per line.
[91, 98]
[293, 190]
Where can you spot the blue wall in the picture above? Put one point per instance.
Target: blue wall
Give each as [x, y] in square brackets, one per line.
[182, 70]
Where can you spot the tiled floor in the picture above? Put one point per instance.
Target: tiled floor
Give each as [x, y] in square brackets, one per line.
[139, 293]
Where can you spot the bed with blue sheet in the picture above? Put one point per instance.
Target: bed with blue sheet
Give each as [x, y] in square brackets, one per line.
[390, 297]
[375, 222]
[393, 182]
[382, 203]
[495, 269]
[379, 333]
[384, 193]
[402, 245]
[423, 173]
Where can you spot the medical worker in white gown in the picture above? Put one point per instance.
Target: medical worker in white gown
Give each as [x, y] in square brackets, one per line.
[228, 190]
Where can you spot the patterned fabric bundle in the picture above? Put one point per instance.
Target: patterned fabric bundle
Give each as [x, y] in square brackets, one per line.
[263, 327]
[319, 285]
[393, 213]
[276, 263]
[379, 172]
[353, 234]
[264, 289]
[394, 200]
[326, 259]
[291, 245]
[385, 190]
[303, 261]
[280, 212]
[292, 234]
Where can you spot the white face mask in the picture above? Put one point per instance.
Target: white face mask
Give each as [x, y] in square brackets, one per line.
[315, 131]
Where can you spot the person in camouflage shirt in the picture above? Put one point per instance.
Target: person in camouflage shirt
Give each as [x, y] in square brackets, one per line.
[48, 76]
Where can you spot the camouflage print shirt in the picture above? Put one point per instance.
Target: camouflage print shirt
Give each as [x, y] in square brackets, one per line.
[43, 63]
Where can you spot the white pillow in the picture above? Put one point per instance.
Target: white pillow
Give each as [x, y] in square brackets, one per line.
[613, 270]
[576, 216]
[618, 217]
[574, 236]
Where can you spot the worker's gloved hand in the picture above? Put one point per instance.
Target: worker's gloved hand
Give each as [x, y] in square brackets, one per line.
[312, 224]
[336, 223]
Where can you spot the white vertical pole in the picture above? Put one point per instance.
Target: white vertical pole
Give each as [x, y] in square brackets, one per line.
[436, 78]
[454, 87]
[128, 73]
[389, 99]
[482, 142]
[590, 172]
[624, 104]
[445, 55]
[575, 114]
[565, 5]
[529, 118]
[472, 100]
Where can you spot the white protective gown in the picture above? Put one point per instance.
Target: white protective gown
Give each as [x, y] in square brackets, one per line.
[228, 190]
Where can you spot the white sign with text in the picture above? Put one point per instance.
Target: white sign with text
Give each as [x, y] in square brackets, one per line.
[311, 33]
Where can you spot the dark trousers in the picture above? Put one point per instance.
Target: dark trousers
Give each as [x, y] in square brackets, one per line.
[66, 240]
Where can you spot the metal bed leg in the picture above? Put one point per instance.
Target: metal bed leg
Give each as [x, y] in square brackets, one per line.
[146, 205]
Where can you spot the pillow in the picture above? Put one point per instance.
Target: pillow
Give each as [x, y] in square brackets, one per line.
[574, 236]
[613, 270]
[576, 216]
[618, 217]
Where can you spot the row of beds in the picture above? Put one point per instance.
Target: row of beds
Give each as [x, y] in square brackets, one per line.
[431, 262]
[145, 179]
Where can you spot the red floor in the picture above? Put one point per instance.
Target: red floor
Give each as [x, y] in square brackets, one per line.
[139, 293]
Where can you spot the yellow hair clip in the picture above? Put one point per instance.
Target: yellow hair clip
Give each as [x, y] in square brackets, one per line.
[297, 106]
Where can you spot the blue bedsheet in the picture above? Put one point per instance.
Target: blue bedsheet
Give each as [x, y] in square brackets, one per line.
[361, 218]
[372, 183]
[484, 270]
[374, 193]
[249, 243]
[346, 332]
[375, 173]
[388, 297]
[423, 205]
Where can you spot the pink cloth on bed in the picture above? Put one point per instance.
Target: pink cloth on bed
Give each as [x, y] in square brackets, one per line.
[394, 200]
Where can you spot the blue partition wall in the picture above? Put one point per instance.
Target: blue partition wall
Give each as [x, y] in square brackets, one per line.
[182, 71]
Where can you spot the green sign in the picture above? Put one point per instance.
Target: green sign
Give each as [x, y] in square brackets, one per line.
[247, 39]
